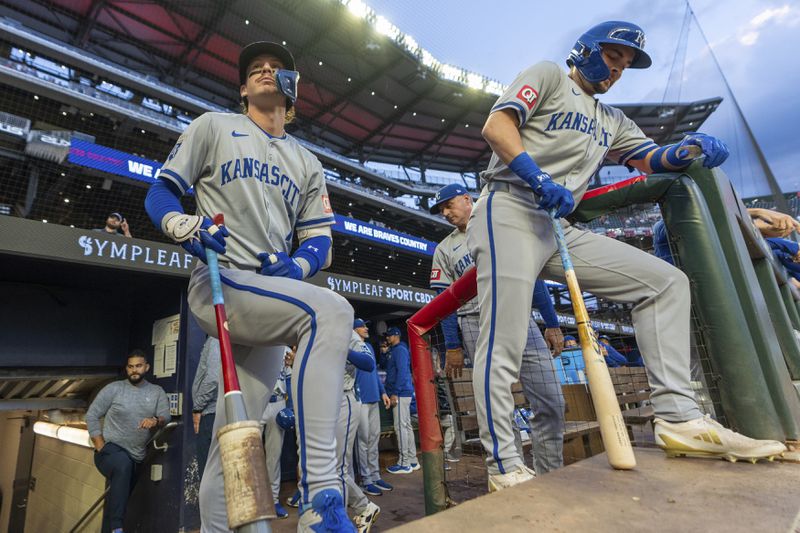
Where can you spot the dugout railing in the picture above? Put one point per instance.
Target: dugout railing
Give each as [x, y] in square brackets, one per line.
[744, 313]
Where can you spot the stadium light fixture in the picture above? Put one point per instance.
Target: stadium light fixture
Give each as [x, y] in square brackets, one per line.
[449, 72]
[384, 27]
[357, 8]
[63, 433]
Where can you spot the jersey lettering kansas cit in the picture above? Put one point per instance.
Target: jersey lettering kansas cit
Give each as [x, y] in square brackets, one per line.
[272, 184]
[567, 132]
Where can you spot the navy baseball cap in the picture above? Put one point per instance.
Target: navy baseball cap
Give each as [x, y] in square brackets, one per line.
[253, 50]
[118, 215]
[569, 338]
[446, 193]
[392, 331]
[359, 323]
[606, 337]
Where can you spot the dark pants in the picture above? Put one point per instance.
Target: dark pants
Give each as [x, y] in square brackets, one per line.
[119, 470]
[204, 440]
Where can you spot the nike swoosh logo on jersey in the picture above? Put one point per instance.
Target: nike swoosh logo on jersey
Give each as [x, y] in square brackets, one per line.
[575, 93]
[235, 133]
[457, 247]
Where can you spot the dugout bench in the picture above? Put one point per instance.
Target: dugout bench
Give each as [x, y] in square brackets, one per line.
[582, 432]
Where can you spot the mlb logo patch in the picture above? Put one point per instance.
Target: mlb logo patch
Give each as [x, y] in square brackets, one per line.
[528, 95]
[326, 204]
[436, 274]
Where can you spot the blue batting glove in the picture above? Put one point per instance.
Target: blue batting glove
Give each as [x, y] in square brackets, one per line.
[553, 196]
[715, 150]
[207, 236]
[280, 265]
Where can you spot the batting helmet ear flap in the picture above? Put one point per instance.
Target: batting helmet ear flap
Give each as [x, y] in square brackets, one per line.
[286, 80]
[588, 59]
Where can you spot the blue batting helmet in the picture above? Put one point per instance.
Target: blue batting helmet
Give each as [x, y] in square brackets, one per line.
[587, 56]
[285, 418]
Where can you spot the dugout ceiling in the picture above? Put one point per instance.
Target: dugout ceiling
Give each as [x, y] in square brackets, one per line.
[361, 94]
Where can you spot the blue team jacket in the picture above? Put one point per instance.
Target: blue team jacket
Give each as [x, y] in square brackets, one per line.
[369, 384]
[398, 371]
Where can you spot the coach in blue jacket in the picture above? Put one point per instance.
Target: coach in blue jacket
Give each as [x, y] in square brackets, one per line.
[371, 391]
[400, 389]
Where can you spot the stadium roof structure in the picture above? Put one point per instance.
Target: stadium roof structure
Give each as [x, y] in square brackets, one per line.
[364, 93]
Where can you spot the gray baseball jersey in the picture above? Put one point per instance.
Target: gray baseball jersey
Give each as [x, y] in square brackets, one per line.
[269, 185]
[357, 345]
[450, 259]
[567, 132]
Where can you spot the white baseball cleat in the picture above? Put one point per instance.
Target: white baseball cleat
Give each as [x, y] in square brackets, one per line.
[519, 474]
[367, 517]
[704, 437]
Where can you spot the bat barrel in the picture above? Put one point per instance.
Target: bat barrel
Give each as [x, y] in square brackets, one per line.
[612, 426]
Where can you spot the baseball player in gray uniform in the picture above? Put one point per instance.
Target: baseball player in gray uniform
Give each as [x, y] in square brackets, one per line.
[358, 357]
[549, 135]
[537, 373]
[270, 189]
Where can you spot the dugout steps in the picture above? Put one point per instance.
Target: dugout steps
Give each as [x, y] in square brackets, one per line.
[661, 494]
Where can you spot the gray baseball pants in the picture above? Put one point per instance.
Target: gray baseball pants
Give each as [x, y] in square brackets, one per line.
[512, 242]
[369, 433]
[346, 429]
[407, 448]
[265, 314]
[542, 389]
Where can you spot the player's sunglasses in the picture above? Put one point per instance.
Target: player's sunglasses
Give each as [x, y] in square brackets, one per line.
[627, 34]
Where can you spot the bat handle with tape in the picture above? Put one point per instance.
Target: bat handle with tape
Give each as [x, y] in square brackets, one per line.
[248, 496]
[612, 426]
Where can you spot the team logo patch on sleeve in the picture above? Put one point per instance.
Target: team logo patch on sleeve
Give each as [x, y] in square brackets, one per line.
[436, 274]
[528, 95]
[326, 204]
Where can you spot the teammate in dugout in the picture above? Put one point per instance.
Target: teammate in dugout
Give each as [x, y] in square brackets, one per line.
[549, 135]
[537, 372]
[359, 358]
[268, 187]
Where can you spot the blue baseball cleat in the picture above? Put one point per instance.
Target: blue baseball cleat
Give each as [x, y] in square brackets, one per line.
[399, 469]
[415, 466]
[294, 501]
[280, 511]
[326, 514]
[381, 484]
[372, 490]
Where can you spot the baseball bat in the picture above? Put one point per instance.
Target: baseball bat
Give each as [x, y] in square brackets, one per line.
[612, 425]
[248, 495]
